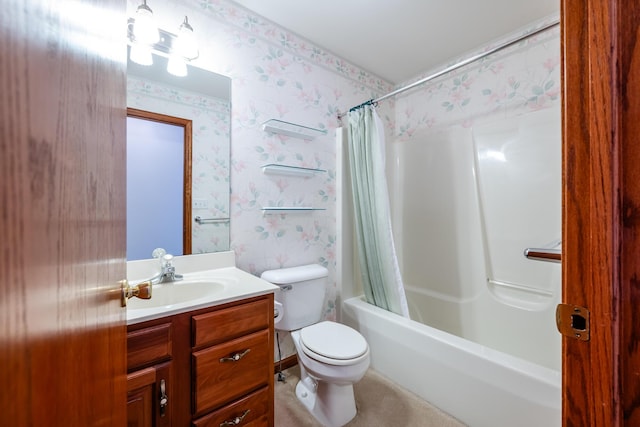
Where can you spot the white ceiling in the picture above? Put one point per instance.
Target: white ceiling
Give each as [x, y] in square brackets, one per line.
[400, 39]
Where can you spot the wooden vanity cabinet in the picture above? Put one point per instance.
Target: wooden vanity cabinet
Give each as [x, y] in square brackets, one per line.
[149, 377]
[145, 390]
[218, 366]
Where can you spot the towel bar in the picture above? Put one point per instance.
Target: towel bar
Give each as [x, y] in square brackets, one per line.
[543, 254]
[200, 220]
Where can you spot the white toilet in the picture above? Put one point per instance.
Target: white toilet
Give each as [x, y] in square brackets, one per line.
[332, 356]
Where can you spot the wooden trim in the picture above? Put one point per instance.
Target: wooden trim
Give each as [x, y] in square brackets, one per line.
[156, 117]
[271, 345]
[601, 209]
[286, 363]
[588, 218]
[187, 189]
[627, 114]
[187, 177]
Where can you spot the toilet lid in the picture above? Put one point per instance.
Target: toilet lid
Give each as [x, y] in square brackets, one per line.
[333, 340]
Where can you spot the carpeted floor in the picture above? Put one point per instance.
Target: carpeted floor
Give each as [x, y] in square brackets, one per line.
[380, 403]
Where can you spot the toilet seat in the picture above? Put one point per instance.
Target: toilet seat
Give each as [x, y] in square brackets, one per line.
[333, 343]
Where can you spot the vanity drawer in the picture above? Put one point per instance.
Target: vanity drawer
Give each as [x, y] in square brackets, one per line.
[219, 380]
[254, 405]
[232, 322]
[148, 345]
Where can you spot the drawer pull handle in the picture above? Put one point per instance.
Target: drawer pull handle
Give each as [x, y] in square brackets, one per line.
[164, 400]
[236, 420]
[235, 357]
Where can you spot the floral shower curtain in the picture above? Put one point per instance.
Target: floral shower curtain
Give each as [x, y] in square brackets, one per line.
[379, 268]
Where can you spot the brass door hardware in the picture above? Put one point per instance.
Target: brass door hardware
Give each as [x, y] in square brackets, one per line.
[573, 321]
[141, 290]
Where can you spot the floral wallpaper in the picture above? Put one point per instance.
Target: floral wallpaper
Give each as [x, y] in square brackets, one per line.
[211, 129]
[522, 78]
[279, 75]
[275, 75]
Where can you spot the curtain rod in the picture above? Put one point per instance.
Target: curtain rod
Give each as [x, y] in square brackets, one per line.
[459, 64]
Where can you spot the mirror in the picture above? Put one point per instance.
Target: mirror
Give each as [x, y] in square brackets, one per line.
[202, 99]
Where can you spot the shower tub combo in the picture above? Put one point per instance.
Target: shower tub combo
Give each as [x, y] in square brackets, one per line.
[479, 386]
[481, 343]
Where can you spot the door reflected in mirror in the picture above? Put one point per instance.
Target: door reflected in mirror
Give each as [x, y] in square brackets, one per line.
[158, 184]
[204, 99]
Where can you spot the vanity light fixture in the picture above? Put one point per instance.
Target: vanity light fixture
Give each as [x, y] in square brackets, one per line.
[186, 43]
[178, 48]
[145, 29]
[185, 46]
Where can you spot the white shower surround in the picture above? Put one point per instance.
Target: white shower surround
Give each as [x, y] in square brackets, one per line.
[483, 377]
[478, 382]
[467, 202]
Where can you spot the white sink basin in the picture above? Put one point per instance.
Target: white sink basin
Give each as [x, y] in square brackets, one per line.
[168, 295]
[209, 280]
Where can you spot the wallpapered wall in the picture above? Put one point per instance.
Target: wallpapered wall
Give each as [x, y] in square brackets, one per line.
[276, 74]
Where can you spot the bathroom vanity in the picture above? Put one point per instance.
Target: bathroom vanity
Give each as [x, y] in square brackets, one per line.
[204, 362]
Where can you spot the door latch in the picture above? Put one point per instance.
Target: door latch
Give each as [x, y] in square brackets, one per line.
[573, 321]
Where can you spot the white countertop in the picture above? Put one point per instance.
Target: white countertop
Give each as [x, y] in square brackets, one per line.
[232, 284]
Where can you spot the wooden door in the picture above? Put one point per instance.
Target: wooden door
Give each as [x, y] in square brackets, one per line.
[62, 213]
[601, 209]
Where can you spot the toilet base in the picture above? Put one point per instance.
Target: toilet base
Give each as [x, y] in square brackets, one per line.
[332, 405]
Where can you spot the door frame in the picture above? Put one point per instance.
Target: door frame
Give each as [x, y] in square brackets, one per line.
[187, 167]
[601, 209]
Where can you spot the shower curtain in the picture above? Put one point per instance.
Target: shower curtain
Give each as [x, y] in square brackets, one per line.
[379, 268]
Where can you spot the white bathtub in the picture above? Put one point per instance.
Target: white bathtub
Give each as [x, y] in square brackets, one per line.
[479, 386]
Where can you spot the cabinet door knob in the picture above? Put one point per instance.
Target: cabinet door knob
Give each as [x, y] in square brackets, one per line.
[235, 421]
[235, 357]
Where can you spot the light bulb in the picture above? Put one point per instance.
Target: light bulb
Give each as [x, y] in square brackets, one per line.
[145, 29]
[140, 54]
[186, 44]
[177, 66]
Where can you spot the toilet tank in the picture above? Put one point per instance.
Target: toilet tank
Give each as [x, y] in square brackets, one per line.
[301, 294]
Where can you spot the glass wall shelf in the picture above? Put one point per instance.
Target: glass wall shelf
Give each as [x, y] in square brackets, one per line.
[268, 210]
[292, 129]
[276, 169]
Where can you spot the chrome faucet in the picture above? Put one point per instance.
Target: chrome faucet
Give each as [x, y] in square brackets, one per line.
[167, 270]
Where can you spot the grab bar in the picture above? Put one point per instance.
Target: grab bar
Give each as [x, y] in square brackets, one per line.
[544, 254]
[200, 220]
